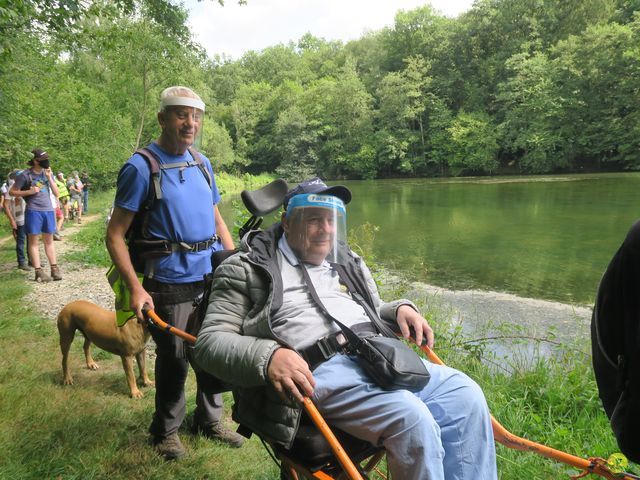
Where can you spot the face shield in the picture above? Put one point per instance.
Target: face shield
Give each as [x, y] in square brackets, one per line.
[314, 226]
[188, 116]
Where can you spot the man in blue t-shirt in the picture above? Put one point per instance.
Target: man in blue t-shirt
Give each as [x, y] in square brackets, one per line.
[186, 217]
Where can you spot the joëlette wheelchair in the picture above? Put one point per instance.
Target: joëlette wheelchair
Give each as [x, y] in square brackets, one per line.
[318, 452]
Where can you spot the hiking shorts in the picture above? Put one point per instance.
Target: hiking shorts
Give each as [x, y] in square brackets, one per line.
[59, 213]
[37, 222]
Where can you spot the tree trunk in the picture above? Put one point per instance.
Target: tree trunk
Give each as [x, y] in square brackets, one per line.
[143, 110]
[424, 149]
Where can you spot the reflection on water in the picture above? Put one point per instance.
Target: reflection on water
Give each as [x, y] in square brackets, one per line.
[540, 237]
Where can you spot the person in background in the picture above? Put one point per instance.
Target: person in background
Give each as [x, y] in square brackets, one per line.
[189, 222]
[14, 208]
[55, 202]
[75, 191]
[4, 188]
[35, 185]
[57, 209]
[64, 197]
[86, 183]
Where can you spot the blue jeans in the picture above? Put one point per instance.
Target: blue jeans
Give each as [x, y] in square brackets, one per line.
[441, 432]
[20, 241]
[85, 201]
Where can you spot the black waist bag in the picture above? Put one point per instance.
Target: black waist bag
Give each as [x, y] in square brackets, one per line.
[391, 363]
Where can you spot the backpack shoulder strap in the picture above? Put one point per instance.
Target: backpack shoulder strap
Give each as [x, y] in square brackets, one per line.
[154, 167]
[203, 168]
[156, 171]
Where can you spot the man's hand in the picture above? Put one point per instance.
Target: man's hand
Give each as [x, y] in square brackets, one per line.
[407, 319]
[289, 373]
[139, 298]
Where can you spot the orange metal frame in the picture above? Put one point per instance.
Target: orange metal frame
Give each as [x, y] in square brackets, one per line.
[595, 466]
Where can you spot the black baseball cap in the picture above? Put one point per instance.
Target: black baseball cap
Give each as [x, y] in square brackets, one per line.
[316, 185]
[39, 154]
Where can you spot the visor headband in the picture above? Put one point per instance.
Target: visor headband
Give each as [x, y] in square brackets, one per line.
[315, 200]
[181, 102]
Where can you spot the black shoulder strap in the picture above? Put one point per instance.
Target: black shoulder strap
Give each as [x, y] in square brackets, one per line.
[348, 333]
[154, 167]
[358, 297]
[203, 168]
[27, 174]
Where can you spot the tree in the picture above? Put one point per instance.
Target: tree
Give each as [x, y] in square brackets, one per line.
[474, 143]
[297, 145]
[532, 113]
[218, 146]
[597, 75]
[248, 109]
[340, 112]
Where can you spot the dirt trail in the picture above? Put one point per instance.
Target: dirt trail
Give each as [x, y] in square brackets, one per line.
[79, 281]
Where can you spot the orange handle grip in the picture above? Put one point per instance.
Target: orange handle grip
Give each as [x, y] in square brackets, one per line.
[161, 324]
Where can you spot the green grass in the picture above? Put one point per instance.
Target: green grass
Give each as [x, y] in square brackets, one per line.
[230, 184]
[94, 430]
[90, 238]
[553, 402]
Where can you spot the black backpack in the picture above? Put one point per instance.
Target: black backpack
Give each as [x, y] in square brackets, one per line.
[615, 341]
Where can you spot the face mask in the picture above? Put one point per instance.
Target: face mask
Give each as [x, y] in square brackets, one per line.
[44, 163]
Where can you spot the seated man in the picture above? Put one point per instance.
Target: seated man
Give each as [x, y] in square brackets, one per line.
[261, 332]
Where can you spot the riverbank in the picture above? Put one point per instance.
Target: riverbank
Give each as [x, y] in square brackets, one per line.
[513, 327]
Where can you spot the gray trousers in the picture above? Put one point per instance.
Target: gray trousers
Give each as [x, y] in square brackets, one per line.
[173, 304]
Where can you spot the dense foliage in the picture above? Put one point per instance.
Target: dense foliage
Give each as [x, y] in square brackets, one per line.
[511, 86]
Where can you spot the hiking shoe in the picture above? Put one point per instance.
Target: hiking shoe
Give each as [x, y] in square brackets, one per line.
[221, 433]
[169, 447]
[55, 272]
[24, 266]
[41, 276]
[57, 237]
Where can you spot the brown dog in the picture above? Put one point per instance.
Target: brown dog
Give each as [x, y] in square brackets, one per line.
[99, 326]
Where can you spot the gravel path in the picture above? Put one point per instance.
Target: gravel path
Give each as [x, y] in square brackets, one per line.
[79, 281]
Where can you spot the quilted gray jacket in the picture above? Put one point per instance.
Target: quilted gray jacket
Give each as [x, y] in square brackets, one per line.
[236, 341]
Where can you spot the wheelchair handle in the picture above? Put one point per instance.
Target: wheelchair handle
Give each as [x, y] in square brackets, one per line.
[156, 321]
[347, 465]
